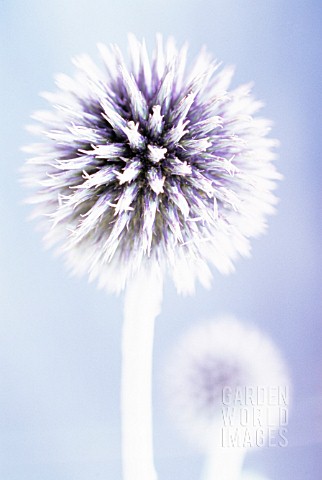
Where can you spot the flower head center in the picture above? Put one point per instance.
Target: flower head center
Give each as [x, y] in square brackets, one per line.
[155, 153]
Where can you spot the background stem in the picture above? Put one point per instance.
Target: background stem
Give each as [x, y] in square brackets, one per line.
[224, 462]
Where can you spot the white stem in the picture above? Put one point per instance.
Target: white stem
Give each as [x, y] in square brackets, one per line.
[224, 462]
[143, 298]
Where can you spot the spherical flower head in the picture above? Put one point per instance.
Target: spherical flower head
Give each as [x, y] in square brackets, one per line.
[149, 164]
[216, 372]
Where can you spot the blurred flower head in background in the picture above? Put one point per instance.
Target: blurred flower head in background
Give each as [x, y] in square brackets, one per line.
[151, 163]
[222, 365]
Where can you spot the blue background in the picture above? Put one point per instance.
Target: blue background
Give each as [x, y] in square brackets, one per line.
[60, 337]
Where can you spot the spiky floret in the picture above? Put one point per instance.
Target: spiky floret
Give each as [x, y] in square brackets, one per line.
[150, 164]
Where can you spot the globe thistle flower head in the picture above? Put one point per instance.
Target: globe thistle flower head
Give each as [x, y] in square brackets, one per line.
[151, 163]
[222, 366]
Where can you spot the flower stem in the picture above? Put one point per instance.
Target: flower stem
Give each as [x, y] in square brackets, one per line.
[224, 462]
[142, 304]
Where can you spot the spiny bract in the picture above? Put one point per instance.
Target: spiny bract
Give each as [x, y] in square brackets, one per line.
[148, 164]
